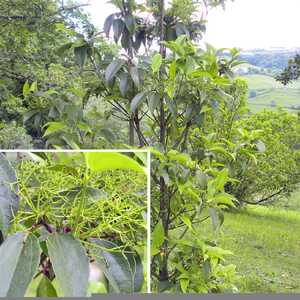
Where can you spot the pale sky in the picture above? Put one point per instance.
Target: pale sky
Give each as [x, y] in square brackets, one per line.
[244, 24]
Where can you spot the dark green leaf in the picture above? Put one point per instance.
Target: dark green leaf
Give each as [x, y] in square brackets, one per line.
[113, 69]
[118, 27]
[214, 218]
[108, 23]
[9, 200]
[125, 40]
[70, 264]
[130, 24]
[134, 73]
[154, 101]
[81, 54]
[124, 84]
[181, 29]
[136, 101]
[19, 260]
[124, 271]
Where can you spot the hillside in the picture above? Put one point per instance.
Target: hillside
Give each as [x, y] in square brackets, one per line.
[266, 92]
[259, 233]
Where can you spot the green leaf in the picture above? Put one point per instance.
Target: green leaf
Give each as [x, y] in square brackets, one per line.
[118, 26]
[184, 283]
[29, 114]
[130, 24]
[181, 29]
[156, 62]
[158, 238]
[136, 101]
[70, 264]
[54, 127]
[216, 222]
[104, 161]
[113, 69]
[26, 89]
[221, 179]
[108, 23]
[84, 127]
[9, 200]
[124, 271]
[19, 260]
[153, 102]
[224, 199]
[134, 73]
[124, 84]
[81, 54]
[61, 51]
[172, 71]
[46, 288]
[187, 221]
[34, 87]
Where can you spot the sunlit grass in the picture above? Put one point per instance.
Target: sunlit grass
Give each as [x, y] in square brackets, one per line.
[266, 246]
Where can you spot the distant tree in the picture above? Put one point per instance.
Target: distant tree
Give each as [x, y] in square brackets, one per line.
[291, 72]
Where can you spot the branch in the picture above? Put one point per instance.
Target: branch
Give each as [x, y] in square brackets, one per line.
[265, 199]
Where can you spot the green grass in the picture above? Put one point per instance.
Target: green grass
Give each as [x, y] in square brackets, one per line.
[268, 90]
[266, 246]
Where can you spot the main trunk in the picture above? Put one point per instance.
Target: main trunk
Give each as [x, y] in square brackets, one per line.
[164, 197]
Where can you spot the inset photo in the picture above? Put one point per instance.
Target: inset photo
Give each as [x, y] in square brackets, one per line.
[73, 224]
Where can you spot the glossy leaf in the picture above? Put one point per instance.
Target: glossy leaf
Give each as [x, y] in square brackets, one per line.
[124, 271]
[134, 73]
[130, 24]
[113, 69]
[108, 24]
[136, 101]
[124, 84]
[26, 89]
[103, 161]
[54, 127]
[19, 260]
[70, 264]
[153, 102]
[118, 26]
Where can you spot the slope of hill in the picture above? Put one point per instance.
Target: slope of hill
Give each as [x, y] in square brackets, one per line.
[266, 92]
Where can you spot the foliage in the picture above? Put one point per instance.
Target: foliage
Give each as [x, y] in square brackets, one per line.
[69, 203]
[14, 137]
[144, 82]
[277, 170]
[291, 72]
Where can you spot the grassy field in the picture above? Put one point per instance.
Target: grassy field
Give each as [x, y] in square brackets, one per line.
[269, 92]
[266, 246]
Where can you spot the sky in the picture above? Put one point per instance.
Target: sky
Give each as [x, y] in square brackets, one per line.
[244, 24]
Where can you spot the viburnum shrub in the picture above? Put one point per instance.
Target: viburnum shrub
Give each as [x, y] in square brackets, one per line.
[60, 212]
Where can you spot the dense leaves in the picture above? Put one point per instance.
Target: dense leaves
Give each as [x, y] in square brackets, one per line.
[66, 200]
